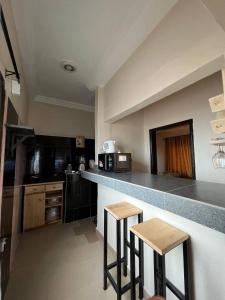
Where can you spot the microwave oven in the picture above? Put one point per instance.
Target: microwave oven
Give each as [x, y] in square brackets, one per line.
[114, 162]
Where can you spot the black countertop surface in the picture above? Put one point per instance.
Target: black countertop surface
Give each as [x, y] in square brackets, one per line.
[205, 192]
[42, 179]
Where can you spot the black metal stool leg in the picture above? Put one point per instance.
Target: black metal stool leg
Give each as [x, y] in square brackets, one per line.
[141, 262]
[156, 279]
[159, 274]
[105, 249]
[118, 246]
[186, 270]
[162, 275]
[132, 266]
[125, 247]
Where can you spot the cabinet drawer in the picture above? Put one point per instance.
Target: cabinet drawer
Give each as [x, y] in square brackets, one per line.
[34, 189]
[54, 187]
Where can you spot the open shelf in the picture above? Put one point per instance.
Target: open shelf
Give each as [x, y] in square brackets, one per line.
[53, 200]
[53, 197]
[53, 205]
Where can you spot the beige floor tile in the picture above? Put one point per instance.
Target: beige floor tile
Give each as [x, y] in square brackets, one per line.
[60, 262]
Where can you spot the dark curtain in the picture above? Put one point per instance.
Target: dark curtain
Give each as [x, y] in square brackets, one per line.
[178, 155]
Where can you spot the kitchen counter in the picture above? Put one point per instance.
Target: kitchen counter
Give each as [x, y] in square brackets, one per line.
[44, 179]
[198, 201]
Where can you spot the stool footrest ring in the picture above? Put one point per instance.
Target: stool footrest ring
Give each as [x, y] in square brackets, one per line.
[136, 251]
[128, 285]
[125, 288]
[175, 290]
[114, 264]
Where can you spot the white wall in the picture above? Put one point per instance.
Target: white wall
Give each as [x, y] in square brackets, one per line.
[129, 134]
[217, 8]
[163, 64]
[102, 129]
[20, 102]
[186, 46]
[190, 103]
[60, 121]
[207, 247]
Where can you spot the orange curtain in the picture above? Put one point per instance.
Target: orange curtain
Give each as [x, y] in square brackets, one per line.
[178, 155]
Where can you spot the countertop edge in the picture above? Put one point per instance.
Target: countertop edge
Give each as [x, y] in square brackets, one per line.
[206, 214]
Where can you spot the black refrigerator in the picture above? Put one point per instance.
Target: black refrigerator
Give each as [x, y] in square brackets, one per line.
[80, 198]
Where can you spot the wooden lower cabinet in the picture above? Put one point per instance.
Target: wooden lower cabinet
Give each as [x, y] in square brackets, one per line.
[43, 204]
[34, 210]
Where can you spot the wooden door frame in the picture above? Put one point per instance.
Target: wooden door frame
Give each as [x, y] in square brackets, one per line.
[153, 145]
[2, 159]
[3, 141]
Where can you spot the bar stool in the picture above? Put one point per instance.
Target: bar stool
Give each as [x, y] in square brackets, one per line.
[162, 238]
[122, 211]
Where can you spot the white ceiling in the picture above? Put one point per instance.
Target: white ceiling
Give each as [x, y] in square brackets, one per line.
[97, 35]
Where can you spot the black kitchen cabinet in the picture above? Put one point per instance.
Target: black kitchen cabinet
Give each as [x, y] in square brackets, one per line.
[80, 198]
[48, 156]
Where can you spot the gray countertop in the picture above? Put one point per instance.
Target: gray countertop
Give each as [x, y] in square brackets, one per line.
[201, 202]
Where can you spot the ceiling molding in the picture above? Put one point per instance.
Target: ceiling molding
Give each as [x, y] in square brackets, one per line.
[186, 80]
[64, 103]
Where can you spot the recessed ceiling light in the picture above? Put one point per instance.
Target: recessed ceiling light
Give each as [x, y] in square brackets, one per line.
[68, 66]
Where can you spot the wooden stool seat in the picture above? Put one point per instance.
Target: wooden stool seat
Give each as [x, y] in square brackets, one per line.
[123, 210]
[159, 235]
[162, 238]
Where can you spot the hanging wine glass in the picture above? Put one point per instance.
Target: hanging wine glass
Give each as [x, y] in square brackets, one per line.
[219, 158]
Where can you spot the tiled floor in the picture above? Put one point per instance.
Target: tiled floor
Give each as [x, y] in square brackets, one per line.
[60, 262]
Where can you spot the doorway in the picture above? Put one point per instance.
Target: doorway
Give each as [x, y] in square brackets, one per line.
[172, 150]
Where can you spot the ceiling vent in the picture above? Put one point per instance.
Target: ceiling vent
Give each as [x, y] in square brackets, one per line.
[68, 66]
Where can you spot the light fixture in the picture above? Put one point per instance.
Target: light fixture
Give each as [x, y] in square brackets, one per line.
[68, 66]
[219, 159]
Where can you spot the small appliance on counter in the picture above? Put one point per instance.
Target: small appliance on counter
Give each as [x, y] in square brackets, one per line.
[109, 146]
[114, 162]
